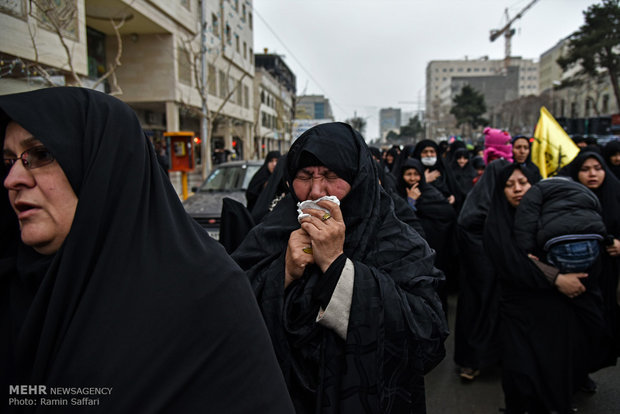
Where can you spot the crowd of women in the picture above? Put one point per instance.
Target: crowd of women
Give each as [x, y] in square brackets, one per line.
[547, 325]
[339, 307]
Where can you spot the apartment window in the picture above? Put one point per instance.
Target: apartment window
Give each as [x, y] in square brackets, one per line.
[250, 20]
[239, 93]
[228, 35]
[444, 70]
[96, 52]
[605, 106]
[211, 81]
[185, 3]
[460, 70]
[243, 13]
[468, 69]
[251, 56]
[245, 50]
[223, 85]
[246, 96]
[476, 69]
[184, 66]
[237, 48]
[573, 110]
[215, 25]
[588, 105]
[562, 105]
[262, 97]
[236, 5]
[231, 88]
[451, 70]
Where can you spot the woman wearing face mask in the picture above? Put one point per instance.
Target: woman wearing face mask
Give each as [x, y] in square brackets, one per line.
[549, 322]
[589, 169]
[108, 282]
[435, 172]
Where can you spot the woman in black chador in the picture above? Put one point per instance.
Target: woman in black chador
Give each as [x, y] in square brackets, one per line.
[349, 295]
[589, 169]
[260, 179]
[551, 323]
[476, 337]
[108, 282]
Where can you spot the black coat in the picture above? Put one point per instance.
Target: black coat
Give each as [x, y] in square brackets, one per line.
[556, 207]
[396, 326]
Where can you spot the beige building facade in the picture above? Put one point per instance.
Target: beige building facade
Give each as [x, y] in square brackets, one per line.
[157, 45]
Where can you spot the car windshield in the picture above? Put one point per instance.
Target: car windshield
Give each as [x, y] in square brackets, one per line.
[235, 177]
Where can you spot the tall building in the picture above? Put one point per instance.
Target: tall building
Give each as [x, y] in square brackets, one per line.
[313, 107]
[274, 93]
[389, 120]
[445, 79]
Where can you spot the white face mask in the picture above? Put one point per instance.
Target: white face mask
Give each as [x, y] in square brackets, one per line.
[429, 161]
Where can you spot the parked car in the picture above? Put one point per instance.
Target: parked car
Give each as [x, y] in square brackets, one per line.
[229, 179]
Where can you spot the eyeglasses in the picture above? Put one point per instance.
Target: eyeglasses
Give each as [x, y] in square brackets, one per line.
[32, 158]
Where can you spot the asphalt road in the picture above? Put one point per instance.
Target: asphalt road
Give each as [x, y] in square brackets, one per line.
[446, 393]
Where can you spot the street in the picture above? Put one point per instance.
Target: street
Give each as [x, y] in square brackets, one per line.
[446, 393]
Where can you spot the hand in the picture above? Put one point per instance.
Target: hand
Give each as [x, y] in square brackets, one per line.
[451, 199]
[296, 258]
[414, 192]
[431, 175]
[614, 249]
[570, 284]
[327, 235]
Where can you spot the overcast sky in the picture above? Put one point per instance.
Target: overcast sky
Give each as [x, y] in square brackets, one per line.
[369, 54]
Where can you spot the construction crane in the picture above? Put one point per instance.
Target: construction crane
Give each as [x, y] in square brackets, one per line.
[508, 32]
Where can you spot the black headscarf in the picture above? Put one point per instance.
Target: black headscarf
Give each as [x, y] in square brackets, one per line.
[259, 180]
[138, 297]
[396, 327]
[463, 176]
[611, 148]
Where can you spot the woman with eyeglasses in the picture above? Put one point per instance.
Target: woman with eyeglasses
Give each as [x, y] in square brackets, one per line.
[106, 282]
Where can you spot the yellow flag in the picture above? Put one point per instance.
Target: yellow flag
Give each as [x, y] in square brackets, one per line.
[552, 147]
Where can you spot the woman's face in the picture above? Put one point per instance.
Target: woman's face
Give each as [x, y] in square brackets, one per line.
[516, 187]
[411, 176]
[520, 150]
[389, 158]
[591, 174]
[271, 165]
[615, 159]
[42, 197]
[311, 183]
[462, 161]
[428, 152]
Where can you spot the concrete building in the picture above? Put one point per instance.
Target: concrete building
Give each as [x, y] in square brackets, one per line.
[274, 95]
[389, 120]
[313, 107]
[158, 71]
[445, 79]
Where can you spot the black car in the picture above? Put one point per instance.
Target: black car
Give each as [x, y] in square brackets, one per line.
[229, 179]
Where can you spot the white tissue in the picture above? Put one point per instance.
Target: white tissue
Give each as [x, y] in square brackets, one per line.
[313, 204]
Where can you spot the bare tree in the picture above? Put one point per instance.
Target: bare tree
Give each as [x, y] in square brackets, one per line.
[58, 19]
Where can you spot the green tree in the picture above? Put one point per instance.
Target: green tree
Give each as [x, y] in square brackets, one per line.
[595, 44]
[358, 123]
[468, 108]
[412, 129]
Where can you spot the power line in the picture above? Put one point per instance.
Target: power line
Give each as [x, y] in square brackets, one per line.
[296, 60]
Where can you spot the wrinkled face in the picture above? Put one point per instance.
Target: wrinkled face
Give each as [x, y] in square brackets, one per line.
[311, 183]
[428, 152]
[520, 150]
[516, 187]
[271, 165]
[411, 176]
[615, 159]
[462, 161]
[42, 197]
[591, 174]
